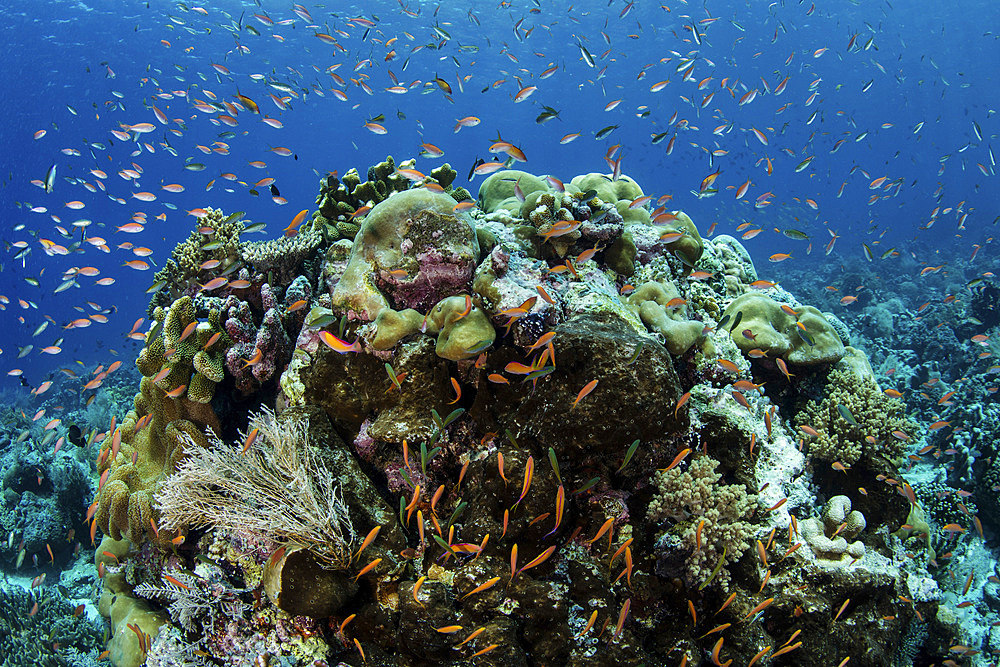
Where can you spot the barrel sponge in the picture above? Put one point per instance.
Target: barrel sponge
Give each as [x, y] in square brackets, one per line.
[458, 334]
[651, 302]
[412, 251]
[497, 191]
[124, 503]
[777, 332]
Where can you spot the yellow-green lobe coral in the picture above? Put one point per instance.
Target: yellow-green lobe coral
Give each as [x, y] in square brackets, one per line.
[498, 190]
[463, 328]
[147, 454]
[119, 604]
[608, 190]
[661, 308]
[805, 338]
[682, 238]
[391, 326]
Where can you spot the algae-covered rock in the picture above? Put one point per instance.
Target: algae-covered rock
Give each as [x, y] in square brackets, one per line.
[804, 338]
[631, 400]
[411, 251]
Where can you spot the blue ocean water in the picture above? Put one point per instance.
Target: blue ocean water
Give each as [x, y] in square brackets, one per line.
[870, 126]
[910, 99]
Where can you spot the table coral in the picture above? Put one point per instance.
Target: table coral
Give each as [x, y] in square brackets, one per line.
[280, 260]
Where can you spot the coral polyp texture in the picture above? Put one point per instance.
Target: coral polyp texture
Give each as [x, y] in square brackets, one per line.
[562, 427]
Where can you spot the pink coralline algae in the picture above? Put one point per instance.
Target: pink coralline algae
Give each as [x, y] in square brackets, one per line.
[439, 275]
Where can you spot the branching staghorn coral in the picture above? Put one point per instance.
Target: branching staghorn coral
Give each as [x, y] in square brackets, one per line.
[683, 501]
[279, 488]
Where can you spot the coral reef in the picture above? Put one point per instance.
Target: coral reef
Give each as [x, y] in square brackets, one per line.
[548, 430]
[51, 636]
[411, 252]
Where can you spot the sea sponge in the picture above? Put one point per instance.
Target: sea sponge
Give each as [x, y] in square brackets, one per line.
[876, 417]
[805, 338]
[655, 304]
[829, 536]
[460, 336]
[412, 251]
[682, 501]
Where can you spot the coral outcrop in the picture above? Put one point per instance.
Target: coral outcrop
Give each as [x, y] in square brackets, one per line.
[550, 429]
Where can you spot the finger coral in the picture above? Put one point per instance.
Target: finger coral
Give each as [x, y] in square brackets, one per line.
[704, 522]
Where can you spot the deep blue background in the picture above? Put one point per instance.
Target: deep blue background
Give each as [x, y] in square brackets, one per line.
[938, 72]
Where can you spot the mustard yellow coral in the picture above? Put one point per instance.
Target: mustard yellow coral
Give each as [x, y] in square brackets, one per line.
[146, 456]
[187, 352]
[846, 398]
